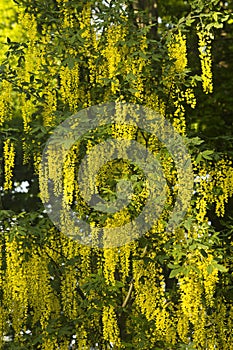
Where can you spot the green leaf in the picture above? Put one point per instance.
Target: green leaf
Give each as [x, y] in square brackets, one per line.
[199, 158]
[195, 141]
[173, 266]
[210, 269]
[132, 90]
[206, 154]
[189, 20]
[215, 16]
[130, 76]
[186, 270]
[175, 272]
[219, 267]
[218, 25]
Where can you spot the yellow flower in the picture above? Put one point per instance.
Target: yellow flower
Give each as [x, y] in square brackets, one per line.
[5, 101]
[177, 50]
[111, 331]
[9, 157]
[206, 61]
[70, 91]
[69, 177]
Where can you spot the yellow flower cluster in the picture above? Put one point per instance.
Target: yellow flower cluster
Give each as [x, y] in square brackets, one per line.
[70, 86]
[42, 297]
[5, 101]
[178, 117]
[191, 294]
[152, 101]
[69, 177]
[28, 283]
[179, 98]
[223, 176]
[69, 293]
[9, 27]
[68, 18]
[54, 173]
[29, 25]
[150, 300]
[37, 161]
[190, 97]
[213, 185]
[32, 55]
[15, 286]
[123, 131]
[111, 331]
[134, 68]
[177, 51]
[118, 219]
[82, 338]
[220, 326]
[110, 263]
[124, 259]
[206, 61]
[3, 325]
[85, 253]
[43, 184]
[85, 19]
[210, 278]
[113, 54]
[27, 108]
[50, 106]
[191, 297]
[49, 344]
[9, 158]
[204, 187]
[182, 325]
[196, 296]
[90, 51]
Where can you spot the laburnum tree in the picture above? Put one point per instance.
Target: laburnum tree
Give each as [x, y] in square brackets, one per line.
[167, 289]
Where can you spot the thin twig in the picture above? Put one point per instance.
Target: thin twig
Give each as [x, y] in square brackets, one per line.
[128, 294]
[125, 302]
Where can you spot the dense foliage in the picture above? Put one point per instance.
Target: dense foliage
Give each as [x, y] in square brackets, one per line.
[166, 290]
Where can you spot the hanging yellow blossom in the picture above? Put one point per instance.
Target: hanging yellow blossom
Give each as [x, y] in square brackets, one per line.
[69, 293]
[70, 86]
[15, 286]
[103, 294]
[210, 277]
[5, 101]
[223, 176]
[9, 157]
[112, 54]
[69, 177]
[190, 97]
[177, 51]
[50, 106]
[110, 263]
[206, 61]
[110, 327]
